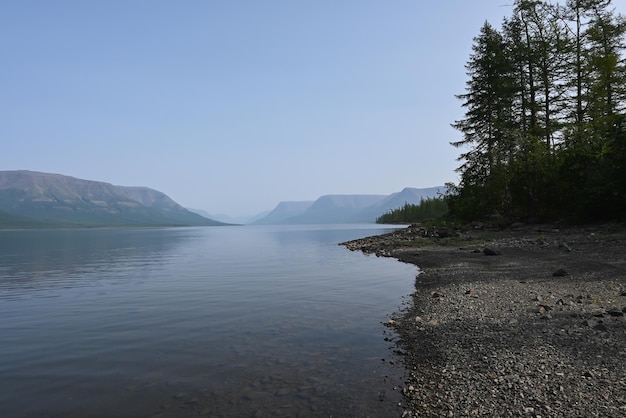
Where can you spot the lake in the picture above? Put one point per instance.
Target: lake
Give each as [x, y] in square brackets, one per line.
[218, 321]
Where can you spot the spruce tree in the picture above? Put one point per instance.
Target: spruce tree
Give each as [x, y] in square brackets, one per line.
[487, 127]
[544, 132]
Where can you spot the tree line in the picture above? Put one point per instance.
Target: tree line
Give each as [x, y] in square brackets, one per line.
[544, 129]
[429, 208]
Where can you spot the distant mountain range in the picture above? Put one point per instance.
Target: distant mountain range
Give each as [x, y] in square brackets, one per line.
[236, 220]
[334, 209]
[30, 199]
[282, 212]
[33, 199]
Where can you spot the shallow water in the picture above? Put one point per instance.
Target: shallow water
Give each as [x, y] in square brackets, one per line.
[221, 321]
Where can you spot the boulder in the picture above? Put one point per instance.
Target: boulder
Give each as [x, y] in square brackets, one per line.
[491, 251]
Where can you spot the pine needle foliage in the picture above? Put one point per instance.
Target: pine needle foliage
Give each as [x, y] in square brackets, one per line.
[544, 131]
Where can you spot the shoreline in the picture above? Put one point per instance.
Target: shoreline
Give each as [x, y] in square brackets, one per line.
[522, 322]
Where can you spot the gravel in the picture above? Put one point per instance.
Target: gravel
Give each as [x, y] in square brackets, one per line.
[525, 322]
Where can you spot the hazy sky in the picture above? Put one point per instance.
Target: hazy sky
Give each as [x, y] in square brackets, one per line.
[232, 106]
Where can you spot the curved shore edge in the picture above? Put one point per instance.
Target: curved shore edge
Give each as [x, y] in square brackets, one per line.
[528, 321]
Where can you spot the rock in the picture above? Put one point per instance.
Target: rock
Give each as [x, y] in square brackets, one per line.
[598, 313]
[181, 395]
[595, 324]
[445, 233]
[477, 225]
[491, 251]
[563, 246]
[560, 273]
[521, 348]
[546, 306]
[615, 312]
[590, 323]
[544, 310]
[255, 395]
[283, 392]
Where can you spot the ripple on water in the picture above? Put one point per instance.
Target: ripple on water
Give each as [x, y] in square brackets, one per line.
[196, 321]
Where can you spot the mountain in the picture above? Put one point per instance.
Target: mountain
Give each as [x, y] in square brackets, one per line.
[254, 218]
[232, 220]
[408, 195]
[283, 212]
[334, 209]
[29, 199]
[202, 213]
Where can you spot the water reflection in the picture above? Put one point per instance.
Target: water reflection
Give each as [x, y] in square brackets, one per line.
[195, 322]
[32, 260]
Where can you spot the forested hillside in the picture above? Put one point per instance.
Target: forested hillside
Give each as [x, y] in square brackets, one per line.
[30, 199]
[429, 208]
[544, 131]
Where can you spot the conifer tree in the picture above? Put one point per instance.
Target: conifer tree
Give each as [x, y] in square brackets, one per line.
[544, 132]
[487, 128]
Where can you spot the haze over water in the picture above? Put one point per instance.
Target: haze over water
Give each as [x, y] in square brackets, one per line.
[222, 321]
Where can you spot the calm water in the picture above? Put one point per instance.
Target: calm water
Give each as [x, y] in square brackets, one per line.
[222, 321]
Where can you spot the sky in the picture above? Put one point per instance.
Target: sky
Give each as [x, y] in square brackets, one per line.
[233, 106]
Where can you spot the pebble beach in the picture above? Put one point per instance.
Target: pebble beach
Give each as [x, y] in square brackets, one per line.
[528, 321]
